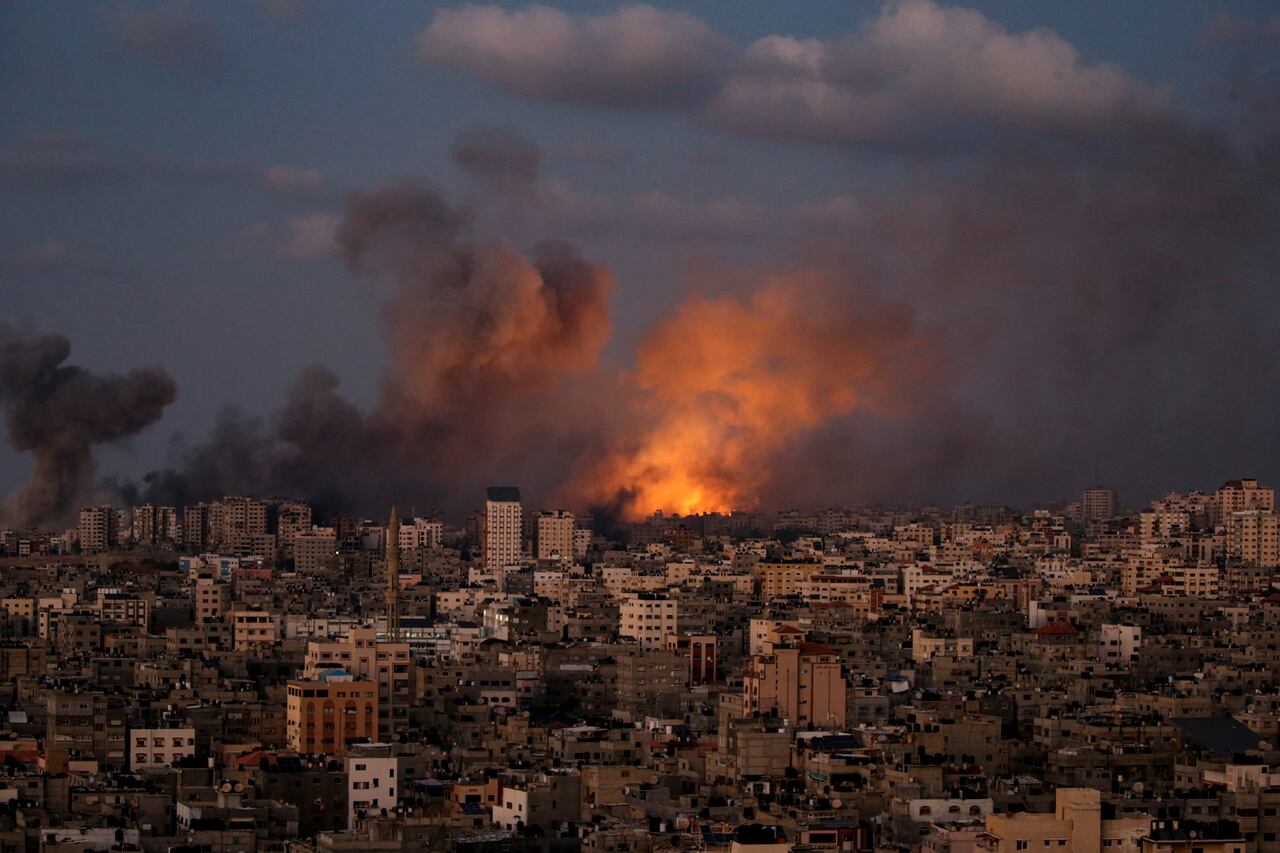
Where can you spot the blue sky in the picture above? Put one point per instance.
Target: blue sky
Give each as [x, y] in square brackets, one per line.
[172, 247]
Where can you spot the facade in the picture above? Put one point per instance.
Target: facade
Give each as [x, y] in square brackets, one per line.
[158, 749]
[364, 655]
[1099, 504]
[502, 530]
[648, 620]
[800, 682]
[99, 529]
[554, 535]
[327, 713]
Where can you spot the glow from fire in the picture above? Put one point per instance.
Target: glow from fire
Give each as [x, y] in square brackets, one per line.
[728, 381]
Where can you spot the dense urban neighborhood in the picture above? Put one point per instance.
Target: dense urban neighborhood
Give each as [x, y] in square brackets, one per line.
[240, 675]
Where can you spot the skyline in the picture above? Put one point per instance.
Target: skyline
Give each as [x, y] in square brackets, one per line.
[1041, 257]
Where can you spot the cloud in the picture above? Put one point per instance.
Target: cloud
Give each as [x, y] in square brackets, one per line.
[54, 156]
[918, 67]
[1227, 29]
[636, 55]
[304, 239]
[311, 237]
[292, 180]
[732, 218]
[171, 32]
[914, 71]
[497, 156]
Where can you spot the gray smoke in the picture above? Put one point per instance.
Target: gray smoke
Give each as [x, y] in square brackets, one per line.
[474, 332]
[58, 412]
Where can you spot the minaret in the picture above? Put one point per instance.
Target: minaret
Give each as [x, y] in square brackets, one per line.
[393, 576]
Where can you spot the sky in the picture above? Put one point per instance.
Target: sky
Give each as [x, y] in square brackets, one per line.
[990, 252]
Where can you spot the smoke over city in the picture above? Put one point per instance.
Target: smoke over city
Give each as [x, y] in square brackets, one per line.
[479, 335]
[1081, 287]
[58, 412]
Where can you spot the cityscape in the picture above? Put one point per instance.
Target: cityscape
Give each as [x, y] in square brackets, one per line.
[847, 426]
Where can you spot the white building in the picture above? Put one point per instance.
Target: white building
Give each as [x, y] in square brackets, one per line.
[648, 619]
[554, 533]
[371, 785]
[159, 748]
[502, 528]
[1119, 644]
[421, 533]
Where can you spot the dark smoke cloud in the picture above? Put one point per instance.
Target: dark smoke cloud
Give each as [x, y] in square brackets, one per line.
[58, 412]
[498, 157]
[474, 332]
[1100, 305]
[1108, 313]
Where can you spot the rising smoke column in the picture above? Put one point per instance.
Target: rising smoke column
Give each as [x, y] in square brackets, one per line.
[471, 324]
[481, 338]
[729, 381]
[58, 412]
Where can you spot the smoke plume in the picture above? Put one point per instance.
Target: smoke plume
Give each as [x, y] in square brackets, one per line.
[727, 382]
[57, 412]
[474, 333]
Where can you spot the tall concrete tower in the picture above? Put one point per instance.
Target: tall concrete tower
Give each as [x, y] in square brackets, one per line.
[393, 575]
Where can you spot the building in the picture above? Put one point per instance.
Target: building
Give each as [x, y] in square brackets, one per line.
[99, 529]
[798, 681]
[380, 660]
[252, 629]
[554, 535]
[315, 552]
[700, 651]
[212, 599]
[156, 749]
[155, 525]
[1099, 504]
[371, 782]
[238, 519]
[1253, 538]
[647, 619]
[501, 530]
[421, 533]
[1241, 496]
[1118, 644]
[327, 713]
[1075, 825]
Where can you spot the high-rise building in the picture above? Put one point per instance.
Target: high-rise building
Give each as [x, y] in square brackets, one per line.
[648, 619]
[99, 529]
[1241, 496]
[501, 530]
[1099, 504]
[240, 523]
[154, 525]
[393, 575]
[1253, 538]
[554, 535]
[197, 534]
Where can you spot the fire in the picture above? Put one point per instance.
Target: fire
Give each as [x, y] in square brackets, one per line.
[727, 382]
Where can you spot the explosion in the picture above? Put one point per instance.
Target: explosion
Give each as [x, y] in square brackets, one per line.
[727, 382]
[57, 412]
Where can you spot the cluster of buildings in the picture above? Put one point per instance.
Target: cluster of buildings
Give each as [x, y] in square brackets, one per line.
[238, 676]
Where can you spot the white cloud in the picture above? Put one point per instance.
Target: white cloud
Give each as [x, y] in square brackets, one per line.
[917, 71]
[635, 55]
